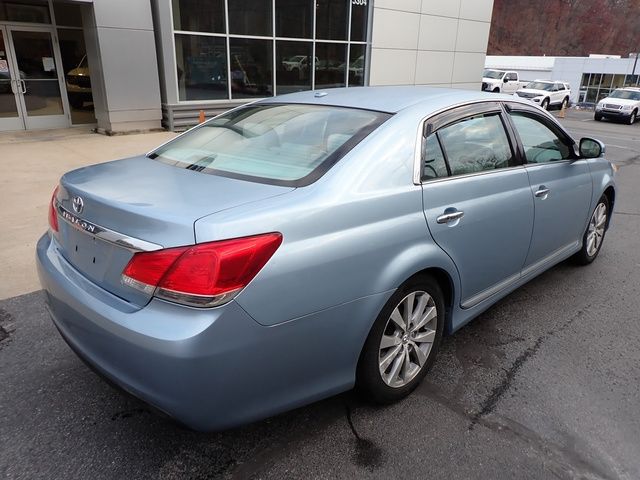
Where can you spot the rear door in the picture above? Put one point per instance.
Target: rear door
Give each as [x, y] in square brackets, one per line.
[561, 185]
[477, 199]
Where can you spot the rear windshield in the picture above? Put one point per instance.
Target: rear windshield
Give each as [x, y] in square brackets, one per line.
[280, 144]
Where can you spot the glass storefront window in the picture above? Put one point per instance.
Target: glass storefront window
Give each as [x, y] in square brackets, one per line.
[356, 65]
[268, 48]
[28, 11]
[618, 81]
[251, 68]
[602, 93]
[331, 19]
[607, 79]
[359, 19]
[67, 14]
[585, 80]
[594, 80]
[250, 17]
[631, 80]
[293, 66]
[201, 67]
[199, 15]
[331, 65]
[592, 94]
[294, 18]
[77, 76]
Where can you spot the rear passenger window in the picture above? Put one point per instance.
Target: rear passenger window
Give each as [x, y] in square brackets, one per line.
[433, 164]
[540, 143]
[476, 144]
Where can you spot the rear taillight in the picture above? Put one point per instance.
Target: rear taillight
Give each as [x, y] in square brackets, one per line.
[203, 275]
[53, 215]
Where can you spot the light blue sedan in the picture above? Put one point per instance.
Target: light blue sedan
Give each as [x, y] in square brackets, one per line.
[296, 247]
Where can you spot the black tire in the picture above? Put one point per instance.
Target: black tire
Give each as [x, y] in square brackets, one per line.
[496, 90]
[545, 104]
[583, 257]
[369, 382]
[632, 117]
[597, 117]
[565, 103]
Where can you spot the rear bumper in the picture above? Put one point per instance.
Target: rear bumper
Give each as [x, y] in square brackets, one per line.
[210, 369]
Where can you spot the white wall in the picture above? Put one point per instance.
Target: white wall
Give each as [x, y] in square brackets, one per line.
[430, 42]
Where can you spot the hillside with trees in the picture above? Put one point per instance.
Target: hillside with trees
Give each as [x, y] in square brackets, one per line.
[565, 27]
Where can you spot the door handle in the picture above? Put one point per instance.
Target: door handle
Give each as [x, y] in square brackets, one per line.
[542, 192]
[24, 86]
[14, 88]
[448, 217]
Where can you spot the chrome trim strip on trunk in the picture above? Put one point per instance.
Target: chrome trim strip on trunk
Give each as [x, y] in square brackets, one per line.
[105, 234]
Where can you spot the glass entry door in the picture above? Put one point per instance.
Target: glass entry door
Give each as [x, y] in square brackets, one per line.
[34, 78]
[10, 118]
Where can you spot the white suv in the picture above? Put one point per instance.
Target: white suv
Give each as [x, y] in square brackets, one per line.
[546, 93]
[622, 103]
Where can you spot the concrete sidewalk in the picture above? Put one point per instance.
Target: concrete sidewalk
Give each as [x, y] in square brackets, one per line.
[32, 163]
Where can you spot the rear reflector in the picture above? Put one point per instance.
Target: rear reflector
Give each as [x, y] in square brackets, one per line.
[203, 275]
[53, 215]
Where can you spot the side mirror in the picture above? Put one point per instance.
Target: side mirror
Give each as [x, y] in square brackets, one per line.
[591, 148]
[505, 80]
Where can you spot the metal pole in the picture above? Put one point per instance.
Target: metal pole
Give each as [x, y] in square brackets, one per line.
[635, 62]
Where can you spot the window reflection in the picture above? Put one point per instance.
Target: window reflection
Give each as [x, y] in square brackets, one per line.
[293, 64]
[28, 11]
[359, 19]
[356, 65]
[294, 18]
[77, 75]
[331, 19]
[251, 68]
[201, 67]
[250, 17]
[199, 15]
[331, 65]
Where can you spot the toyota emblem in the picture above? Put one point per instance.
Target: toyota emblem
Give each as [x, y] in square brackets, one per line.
[78, 204]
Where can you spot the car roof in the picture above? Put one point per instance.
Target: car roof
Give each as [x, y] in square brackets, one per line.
[389, 99]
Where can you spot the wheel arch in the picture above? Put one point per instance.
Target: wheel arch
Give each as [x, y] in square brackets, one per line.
[610, 193]
[446, 284]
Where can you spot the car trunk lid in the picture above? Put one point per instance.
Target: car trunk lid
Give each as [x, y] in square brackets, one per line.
[139, 204]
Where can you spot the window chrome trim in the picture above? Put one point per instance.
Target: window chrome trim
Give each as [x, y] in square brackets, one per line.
[106, 234]
[506, 103]
[474, 174]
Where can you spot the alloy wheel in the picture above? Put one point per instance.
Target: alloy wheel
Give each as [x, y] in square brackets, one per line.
[595, 232]
[407, 339]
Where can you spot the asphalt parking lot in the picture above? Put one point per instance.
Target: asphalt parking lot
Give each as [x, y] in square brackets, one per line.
[546, 384]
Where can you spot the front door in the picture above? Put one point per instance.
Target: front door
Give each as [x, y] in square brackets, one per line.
[30, 80]
[560, 186]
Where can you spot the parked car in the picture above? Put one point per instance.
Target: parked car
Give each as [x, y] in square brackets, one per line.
[297, 63]
[623, 103]
[547, 93]
[79, 84]
[290, 249]
[501, 81]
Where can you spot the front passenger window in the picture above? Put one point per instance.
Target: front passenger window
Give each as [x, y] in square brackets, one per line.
[540, 143]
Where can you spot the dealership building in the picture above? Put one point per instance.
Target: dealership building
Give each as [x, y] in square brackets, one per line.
[591, 78]
[129, 65]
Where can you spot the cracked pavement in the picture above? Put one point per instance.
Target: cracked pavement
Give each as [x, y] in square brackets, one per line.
[543, 385]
